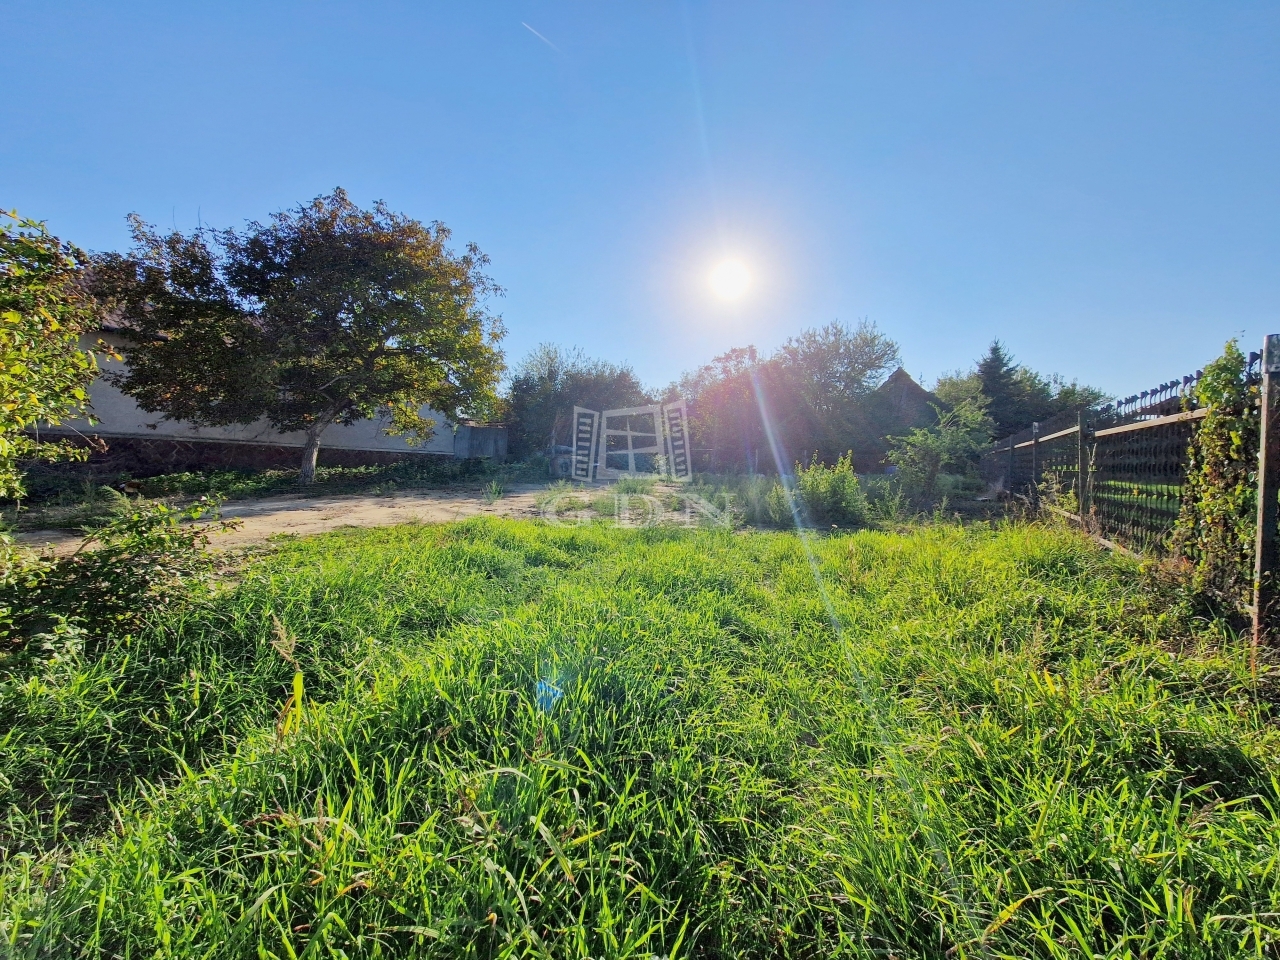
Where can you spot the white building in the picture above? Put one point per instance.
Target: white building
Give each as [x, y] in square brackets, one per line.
[135, 434]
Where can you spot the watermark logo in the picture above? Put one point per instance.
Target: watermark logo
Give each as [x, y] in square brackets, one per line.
[678, 508]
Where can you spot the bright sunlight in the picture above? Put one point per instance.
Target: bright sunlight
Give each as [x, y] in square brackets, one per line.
[730, 280]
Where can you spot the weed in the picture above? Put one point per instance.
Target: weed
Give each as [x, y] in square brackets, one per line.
[523, 739]
[820, 496]
[634, 485]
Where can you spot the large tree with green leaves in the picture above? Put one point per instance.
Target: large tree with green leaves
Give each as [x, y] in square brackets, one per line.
[817, 387]
[44, 371]
[550, 382]
[327, 314]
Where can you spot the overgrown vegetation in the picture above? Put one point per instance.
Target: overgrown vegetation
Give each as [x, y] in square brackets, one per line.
[952, 445]
[329, 314]
[77, 635]
[142, 562]
[820, 495]
[1218, 522]
[518, 739]
[44, 372]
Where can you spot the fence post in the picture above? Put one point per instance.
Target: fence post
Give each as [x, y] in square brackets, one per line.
[1266, 558]
[1082, 469]
[1035, 461]
[1013, 453]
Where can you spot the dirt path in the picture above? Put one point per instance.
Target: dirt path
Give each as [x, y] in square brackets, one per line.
[303, 515]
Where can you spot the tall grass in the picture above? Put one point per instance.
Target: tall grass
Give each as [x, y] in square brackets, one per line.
[518, 739]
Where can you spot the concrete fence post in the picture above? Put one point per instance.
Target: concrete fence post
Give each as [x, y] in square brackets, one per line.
[1082, 469]
[1035, 462]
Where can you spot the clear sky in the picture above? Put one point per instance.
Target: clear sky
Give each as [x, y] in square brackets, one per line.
[1096, 184]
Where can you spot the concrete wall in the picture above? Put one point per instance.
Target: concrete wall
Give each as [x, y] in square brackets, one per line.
[480, 441]
[119, 416]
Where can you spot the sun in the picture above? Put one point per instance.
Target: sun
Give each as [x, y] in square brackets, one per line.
[730, 280]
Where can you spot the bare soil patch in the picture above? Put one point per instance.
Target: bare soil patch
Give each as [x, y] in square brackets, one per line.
[302, 515]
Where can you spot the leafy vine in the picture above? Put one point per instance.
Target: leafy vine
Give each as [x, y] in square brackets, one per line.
[1216, 525]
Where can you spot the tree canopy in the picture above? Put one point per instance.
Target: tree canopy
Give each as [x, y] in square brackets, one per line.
[44, 372]
[550, 382]
[327, 314]
[817, 388]
[1013, 395]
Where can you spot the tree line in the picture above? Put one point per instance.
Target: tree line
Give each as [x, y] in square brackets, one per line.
[818, 395]
[329, 314]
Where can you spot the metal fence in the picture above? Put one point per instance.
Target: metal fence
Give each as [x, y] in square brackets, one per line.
[1132, 456]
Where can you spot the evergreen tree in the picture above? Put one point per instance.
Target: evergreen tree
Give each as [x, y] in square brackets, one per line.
[998, 376]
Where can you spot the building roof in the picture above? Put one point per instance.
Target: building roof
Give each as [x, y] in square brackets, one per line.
[908, 401]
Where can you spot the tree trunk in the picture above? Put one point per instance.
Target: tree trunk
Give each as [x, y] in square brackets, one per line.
[307, 473]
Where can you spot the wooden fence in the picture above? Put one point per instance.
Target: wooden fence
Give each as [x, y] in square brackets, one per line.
[1125, 468]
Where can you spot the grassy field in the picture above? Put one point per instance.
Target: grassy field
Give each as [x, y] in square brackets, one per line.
[516, 739]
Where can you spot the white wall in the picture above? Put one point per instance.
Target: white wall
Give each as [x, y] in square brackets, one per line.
[119, 416]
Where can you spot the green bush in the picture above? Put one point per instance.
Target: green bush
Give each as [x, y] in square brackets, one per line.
[141, 563]
[825, 496]
[953, 445]
[1215, 530]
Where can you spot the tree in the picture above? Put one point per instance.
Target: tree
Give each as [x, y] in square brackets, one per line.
[1014, 395]
[834, 364]
[328, 314]
[816, 387]
[550, 382]
[723, 413]
[1004, 389]
[44, 372]
[955, 388]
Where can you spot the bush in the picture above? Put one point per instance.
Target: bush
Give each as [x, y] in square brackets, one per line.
[1216, 527]
[824, 496]
[953, 444]
[143, 562]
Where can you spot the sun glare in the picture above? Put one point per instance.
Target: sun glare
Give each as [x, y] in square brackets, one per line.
[729, 280]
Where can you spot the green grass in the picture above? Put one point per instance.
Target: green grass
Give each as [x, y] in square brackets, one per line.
[521, 740]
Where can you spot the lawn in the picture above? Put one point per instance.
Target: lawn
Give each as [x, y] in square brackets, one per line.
[519, 739]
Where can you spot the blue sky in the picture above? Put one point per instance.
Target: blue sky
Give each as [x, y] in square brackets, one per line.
[1098, 185]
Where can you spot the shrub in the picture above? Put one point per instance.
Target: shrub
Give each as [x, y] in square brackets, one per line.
[953, 443]
[1215, 530]
[140, 563]
[824, 496]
